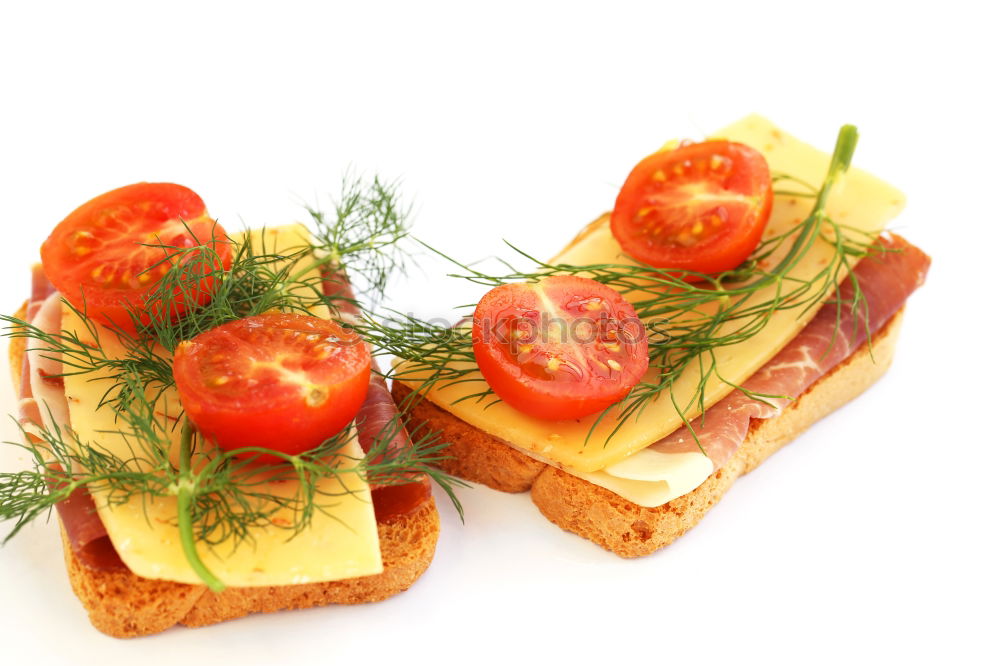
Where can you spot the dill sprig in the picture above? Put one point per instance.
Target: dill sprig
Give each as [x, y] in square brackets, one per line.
[367, 231]
[689, 316]
[222, 496]
[364, 236]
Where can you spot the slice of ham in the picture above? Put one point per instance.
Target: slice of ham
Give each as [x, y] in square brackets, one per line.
[378, 413]
[46, 367]
[43, 402]
[886, 278]
[378, 410]
[41, 289]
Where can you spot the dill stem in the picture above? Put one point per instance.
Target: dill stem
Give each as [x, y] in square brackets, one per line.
[184, 513]
[847, 141]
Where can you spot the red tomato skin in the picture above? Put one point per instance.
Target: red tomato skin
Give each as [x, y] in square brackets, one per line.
[94, 257]
[527, 386]
[740, 185]
[259, 411]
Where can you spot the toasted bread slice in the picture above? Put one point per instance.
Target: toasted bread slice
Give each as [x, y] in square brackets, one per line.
[124, 605]
[625, 528]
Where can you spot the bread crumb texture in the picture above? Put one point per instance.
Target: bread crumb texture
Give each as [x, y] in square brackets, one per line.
[124, 605]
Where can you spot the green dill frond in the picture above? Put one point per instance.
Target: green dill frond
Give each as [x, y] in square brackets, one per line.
[365, 233]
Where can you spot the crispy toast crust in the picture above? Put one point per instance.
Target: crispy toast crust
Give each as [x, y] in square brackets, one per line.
[607, 519]
[124, 605]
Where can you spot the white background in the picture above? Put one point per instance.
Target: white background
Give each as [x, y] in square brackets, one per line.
[872, 539]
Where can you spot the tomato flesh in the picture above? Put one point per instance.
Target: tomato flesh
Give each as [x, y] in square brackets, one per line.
[561, 348]
[701, 207]
[279, 381]
[100, 260]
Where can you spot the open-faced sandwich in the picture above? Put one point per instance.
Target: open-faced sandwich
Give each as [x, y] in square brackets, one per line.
[214, 438]
[742, 288]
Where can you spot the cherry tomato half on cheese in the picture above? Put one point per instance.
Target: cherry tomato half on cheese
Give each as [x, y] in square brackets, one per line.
[701, 207]
[100, 256]
[279, 381]
[560, 348]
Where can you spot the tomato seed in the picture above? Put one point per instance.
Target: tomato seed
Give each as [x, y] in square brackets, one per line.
[316, 396]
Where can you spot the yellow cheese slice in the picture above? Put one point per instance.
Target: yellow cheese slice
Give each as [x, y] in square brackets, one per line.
[340, 543]
[860, 201]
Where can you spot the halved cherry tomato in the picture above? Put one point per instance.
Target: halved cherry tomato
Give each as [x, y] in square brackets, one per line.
[280, 381]
[560, 348]
[701, 207]
[99, 256]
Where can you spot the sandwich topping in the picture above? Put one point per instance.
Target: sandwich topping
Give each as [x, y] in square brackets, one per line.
[700, 207]
[240, 379]
[175, 505]
[107, 254]
[560, 348]
[893, 271]
[680, 461]
[708, 333]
